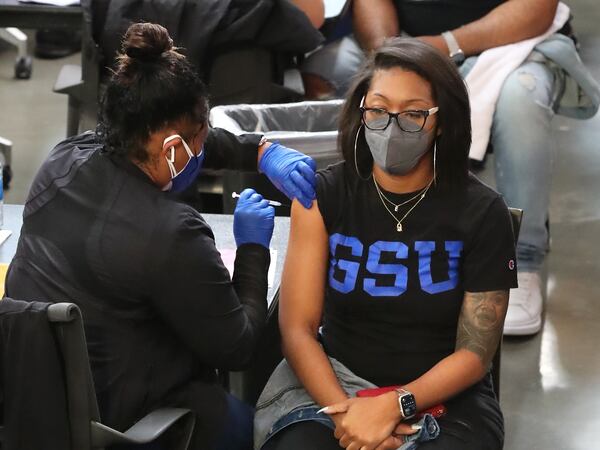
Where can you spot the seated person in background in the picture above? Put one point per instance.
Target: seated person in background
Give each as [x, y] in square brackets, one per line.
[314, 10]
[220, 37]
[521, 135]
[398, 275]
[103, 228]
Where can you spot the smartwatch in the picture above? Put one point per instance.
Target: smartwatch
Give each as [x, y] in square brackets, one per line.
[455, 52]
[407, 403]
[262, 141]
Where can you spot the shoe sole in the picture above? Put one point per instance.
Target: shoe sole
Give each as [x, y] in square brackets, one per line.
[523, 330]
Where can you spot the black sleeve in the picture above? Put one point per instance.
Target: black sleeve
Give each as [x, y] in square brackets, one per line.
[330, 193]
[225, 150]
[490, 261]
[219, 320]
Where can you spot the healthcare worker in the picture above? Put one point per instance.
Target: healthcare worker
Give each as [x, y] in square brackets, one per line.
[104, 228]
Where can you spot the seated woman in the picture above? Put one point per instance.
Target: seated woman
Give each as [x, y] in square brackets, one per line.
[397, 276]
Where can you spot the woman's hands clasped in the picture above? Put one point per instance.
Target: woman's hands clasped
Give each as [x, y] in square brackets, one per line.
[253, 219]
[370, 423]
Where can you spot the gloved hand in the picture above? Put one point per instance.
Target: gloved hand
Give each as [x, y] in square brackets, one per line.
[292, 172]
[253, 219]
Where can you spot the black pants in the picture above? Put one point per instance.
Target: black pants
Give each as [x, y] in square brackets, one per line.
[303, 436]
[473, 422]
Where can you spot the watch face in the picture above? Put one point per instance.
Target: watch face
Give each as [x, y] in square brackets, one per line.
[409, 406]
[458, 58]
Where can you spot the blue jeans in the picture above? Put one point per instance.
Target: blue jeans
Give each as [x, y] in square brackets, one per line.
[521, 137]
[524, 151]
[237, 432]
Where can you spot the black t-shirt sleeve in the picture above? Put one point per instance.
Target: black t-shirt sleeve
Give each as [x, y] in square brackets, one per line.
[330, 194]
[220, 320]
[490, 261]
[225, 150]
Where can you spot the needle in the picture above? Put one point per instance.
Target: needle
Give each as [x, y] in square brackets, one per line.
[271, 202]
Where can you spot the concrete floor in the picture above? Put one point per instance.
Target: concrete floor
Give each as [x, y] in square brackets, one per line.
[551, 382]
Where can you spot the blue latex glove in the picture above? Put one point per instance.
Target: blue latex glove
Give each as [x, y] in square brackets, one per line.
[253, 219]
[292, 172]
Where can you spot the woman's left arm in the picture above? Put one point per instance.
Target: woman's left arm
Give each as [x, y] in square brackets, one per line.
[489, 271]
[480, 327]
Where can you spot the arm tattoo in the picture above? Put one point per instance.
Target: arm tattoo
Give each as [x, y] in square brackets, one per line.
[481, 323]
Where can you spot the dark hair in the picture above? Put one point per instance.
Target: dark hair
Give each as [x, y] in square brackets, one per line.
[449, 92]
[152, 86]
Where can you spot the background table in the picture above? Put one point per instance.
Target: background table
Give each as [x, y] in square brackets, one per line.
[13, 219]
[221, 224]
[30, 15]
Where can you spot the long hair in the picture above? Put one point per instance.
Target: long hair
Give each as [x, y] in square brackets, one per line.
[449, 92]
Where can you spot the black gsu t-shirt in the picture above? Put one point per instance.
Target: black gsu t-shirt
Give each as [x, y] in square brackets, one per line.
[430, 17]
[393, 298]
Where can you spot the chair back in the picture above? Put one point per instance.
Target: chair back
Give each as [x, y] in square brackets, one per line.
[67, 323]
[516, 215]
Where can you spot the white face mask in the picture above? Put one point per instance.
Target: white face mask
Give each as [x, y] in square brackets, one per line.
[185, 177]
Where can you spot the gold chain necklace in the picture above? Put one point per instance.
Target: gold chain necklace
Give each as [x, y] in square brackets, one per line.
[396, 206]
[399, 221]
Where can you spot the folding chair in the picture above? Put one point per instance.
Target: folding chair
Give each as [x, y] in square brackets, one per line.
[516, 216]
[86, 430]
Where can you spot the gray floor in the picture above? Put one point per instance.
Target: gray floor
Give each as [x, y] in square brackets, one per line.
[550, 383]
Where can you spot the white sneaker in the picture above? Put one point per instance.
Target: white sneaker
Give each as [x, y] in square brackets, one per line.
[524, 315]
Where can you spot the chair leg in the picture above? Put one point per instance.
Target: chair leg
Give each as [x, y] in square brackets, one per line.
[496, 370]
[73, 112]
[6, 159]
[17, 38]
[23, 64]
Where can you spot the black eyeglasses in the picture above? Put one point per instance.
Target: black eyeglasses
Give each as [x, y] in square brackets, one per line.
[411, 121]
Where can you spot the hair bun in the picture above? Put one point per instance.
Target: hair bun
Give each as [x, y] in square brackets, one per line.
[146, 41]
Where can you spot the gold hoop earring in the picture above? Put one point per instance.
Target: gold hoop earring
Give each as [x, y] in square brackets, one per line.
[355, 158]
[434, 162]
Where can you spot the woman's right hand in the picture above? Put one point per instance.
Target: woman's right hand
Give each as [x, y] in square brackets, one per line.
[253, 219]
[393, 442]
[398, 437]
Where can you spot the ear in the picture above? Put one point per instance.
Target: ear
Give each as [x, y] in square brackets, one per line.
[170, 143]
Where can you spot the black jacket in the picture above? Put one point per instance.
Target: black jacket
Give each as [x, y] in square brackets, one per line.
[33, 395]
[159, 308]
[202, 27]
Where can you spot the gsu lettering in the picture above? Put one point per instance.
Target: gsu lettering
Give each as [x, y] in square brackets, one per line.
[374, 266]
